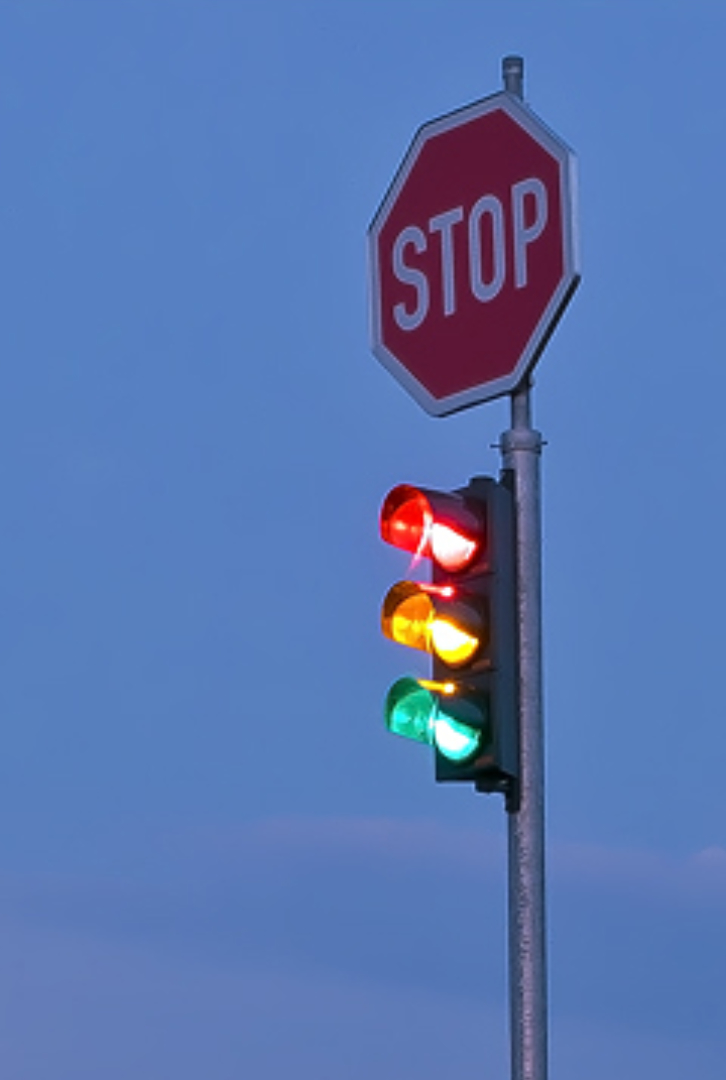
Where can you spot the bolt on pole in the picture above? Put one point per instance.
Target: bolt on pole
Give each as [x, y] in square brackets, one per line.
[521, 450]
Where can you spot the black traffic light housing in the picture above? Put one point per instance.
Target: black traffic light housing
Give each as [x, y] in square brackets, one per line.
[487, 686]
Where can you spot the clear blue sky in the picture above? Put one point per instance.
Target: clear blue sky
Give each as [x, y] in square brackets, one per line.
[214, 862]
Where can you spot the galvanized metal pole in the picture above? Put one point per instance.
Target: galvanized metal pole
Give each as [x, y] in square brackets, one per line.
[521, 450]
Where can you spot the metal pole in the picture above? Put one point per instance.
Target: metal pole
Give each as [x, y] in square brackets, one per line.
[521, 450]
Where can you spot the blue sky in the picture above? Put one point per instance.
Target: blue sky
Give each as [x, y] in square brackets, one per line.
[213, 859]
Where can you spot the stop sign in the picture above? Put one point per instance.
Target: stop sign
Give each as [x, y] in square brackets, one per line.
[473, 254]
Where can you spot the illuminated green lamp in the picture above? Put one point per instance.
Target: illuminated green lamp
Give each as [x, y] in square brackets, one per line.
[413, 709]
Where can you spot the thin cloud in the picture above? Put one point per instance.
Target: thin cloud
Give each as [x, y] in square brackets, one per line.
[635, 933]
[425, 843]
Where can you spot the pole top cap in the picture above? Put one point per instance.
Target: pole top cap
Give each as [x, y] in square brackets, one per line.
[513, 75]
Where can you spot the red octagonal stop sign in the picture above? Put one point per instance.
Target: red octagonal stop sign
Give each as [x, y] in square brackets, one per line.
[473, 255]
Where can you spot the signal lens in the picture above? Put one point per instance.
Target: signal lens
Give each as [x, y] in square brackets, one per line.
[451, 643]
[432, 525]
[414, 615]
[452, 550]
[407, 615]
[455, 741]
[411, 710]
[406, 519]
[460, 727]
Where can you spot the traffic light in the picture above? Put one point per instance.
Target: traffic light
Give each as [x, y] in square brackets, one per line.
[465, 618]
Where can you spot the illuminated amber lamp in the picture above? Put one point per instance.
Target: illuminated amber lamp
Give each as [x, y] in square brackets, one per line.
[430, 618]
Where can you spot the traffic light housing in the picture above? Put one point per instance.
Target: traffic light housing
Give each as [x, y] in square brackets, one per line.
[465, 617]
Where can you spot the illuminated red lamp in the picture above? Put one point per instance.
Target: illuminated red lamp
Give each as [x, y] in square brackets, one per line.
[432, 525]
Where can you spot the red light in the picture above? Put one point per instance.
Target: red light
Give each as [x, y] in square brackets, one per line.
[450, 548]
[406, 519]
[431, 525]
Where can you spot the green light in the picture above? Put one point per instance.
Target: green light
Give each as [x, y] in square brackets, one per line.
[460, 727]
[455, 741]
[411, 711]
[415, 712]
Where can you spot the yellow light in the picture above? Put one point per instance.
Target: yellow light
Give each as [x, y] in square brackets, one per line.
[410, 620]
[451, 643]
[420, 616]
